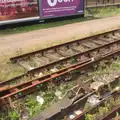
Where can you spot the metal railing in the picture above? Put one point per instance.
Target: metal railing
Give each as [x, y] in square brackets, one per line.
[90, 3]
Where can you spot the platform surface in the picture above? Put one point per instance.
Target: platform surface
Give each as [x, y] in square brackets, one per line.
[38, 39]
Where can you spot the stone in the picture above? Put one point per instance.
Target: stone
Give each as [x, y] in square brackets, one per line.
[78, 112]
[96, 85]
[58, 94]
[40, 99]
[93, 100]
[71, 116]
[54, 70]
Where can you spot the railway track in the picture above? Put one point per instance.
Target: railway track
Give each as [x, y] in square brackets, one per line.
[86, 102]
[79, 53]
[53, 64]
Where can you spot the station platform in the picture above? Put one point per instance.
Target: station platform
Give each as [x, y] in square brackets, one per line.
[10, 45]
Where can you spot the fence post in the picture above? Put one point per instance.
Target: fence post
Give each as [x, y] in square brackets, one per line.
[113, 1]
[96, 2]
[86, 2]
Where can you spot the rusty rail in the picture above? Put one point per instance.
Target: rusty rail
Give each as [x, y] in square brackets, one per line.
[25, 88]
[62, 61]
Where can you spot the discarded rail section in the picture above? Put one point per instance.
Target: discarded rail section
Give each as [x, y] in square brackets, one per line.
[58, 62]
[88, 103]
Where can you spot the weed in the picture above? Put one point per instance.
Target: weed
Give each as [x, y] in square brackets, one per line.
[74, 61]
[3, 117]
[102, 110]
[89, 117]
[105, 12]
[115, 65]
[32, 105]
[9, 71]
[14, 115]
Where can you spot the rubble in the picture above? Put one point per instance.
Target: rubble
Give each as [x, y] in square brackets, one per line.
[40, 100]
[54, 70]
[96, 85]
[93, 100]
[58, 94]
[72, 117]
[78, 112]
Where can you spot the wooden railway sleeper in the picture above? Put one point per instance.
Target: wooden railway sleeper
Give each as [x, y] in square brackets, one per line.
[108, 40]
[86, 45]
[95, 42]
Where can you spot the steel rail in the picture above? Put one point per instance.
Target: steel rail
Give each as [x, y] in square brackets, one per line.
[88, 52]
[27, 87]
[14, 59]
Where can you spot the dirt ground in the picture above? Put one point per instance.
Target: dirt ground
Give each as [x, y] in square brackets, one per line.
[11, 45]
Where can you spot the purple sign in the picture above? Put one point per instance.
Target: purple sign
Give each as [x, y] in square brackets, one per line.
[57, 8]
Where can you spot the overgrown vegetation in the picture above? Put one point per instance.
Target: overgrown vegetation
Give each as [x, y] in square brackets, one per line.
[9, 71]
[32, 106]
[104, 12]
